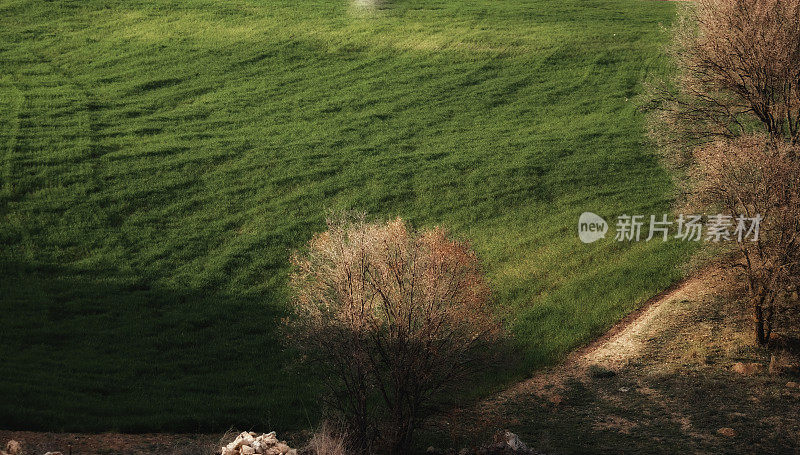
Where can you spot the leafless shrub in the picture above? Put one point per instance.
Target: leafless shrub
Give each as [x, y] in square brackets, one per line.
[391, 317]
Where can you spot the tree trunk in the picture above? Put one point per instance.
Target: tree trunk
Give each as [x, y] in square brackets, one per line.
[762, 337]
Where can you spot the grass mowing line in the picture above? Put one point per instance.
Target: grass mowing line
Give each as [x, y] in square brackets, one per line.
[88, 104]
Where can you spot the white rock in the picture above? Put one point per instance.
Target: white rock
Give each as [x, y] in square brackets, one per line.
[242, 439]
[267, 440]
[258, 446]
[246, 450]
[13, 447]
[514, 441]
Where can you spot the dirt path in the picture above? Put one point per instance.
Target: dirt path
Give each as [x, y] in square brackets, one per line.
[614, 349]
[657, 382]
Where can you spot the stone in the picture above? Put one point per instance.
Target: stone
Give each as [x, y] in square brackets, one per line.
[792, 385]
[515, 442]
[13, 447]
[727, 432]
[269, 438]
[250, 443]
[243, 439]
[747, 368]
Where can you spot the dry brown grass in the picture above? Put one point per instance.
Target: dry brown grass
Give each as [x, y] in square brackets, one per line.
[327, 441]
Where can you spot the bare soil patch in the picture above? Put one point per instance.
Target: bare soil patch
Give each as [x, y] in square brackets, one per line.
[38, 443]
[658, 382]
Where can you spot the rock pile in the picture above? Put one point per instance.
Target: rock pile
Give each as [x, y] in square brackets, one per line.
[12, 448]
[248, 443]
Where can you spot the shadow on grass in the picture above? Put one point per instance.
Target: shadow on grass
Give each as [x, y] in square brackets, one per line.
[91, 350]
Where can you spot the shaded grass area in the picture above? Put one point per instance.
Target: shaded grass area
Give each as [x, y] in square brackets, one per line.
[160, 160]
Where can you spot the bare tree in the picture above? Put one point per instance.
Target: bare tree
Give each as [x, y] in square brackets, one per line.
[729, 121]
[392, 318]
[738, 72]
[752, 177]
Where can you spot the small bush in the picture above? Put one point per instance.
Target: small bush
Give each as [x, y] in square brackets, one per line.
[391, 318]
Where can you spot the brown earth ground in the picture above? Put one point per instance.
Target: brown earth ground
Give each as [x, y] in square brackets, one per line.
[660, 381]
[36, 443]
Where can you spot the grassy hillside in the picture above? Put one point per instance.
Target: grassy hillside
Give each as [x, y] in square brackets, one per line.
[160, 160]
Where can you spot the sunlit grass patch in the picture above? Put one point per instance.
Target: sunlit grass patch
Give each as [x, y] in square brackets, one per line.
[161, 160]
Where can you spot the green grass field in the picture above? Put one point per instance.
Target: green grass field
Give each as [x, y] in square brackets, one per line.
[159, 160]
